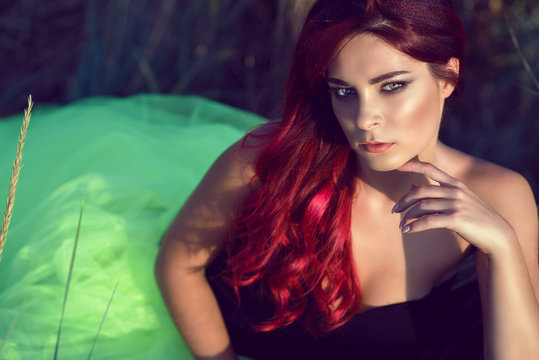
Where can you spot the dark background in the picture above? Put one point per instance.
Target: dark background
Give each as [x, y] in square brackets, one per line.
[238, 51]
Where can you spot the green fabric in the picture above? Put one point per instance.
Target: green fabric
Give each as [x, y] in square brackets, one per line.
[134, 161]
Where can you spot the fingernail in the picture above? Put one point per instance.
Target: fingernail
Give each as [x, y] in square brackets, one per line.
[401, 223]
[413, 186]
[395, 208]
[406, 229]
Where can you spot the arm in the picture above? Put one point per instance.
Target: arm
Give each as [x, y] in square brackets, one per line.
[193, 240]
[503, 227]
[509, 281]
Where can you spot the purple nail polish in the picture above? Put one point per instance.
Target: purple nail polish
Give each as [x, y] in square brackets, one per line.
[406, 229]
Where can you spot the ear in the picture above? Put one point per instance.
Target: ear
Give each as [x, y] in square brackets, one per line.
[446, 88]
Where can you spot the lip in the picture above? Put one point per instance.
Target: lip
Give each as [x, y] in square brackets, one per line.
[376, 147]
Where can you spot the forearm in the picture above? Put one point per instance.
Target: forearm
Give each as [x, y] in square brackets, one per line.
[512, 312]
[195, 311]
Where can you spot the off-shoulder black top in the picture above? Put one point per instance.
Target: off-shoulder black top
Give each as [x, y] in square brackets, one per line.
[444, 324]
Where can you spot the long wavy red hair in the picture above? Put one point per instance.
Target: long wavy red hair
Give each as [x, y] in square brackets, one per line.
[292, 238]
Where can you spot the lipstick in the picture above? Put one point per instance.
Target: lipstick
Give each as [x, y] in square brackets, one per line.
[376, 147]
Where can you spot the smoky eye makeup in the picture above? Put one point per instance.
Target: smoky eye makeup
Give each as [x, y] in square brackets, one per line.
[394, 86]
[343, 93]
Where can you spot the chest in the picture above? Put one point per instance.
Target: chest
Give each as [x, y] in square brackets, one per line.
[394, 267]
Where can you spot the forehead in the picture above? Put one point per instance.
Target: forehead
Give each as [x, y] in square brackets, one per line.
[369, 56]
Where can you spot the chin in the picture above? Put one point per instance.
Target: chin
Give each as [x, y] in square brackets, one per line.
[381, 163]
[382, 167]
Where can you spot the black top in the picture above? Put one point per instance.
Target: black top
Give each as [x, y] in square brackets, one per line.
[445, 324]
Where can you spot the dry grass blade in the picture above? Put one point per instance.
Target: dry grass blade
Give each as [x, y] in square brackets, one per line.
[15, 175]
[525, 63]
[102, 322]
[11, 326]
[70, 272]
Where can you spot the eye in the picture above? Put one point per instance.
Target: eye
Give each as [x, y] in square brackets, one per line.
[394, 86]
[344, 93]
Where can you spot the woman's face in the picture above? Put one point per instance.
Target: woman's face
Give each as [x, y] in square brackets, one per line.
[388, 104]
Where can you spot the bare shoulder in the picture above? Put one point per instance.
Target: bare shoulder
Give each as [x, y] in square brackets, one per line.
[508, 193]
[243, 153]
[503, 189]
[235, 167]
[203, 223]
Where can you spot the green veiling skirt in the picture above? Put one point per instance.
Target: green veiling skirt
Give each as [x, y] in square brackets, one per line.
[133, 162]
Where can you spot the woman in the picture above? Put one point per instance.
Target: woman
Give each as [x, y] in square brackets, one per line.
[344, 230]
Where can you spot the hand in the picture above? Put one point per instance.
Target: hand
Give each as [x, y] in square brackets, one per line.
[453, 206]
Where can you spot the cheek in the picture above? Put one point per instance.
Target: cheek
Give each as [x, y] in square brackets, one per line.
[345, 112]
[418, 113]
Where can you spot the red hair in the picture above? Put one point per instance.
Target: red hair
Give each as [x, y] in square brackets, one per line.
[292, 239]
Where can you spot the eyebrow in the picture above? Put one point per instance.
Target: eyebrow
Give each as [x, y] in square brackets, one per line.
[372, 81]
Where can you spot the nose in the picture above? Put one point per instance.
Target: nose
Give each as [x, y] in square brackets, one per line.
[369, 115]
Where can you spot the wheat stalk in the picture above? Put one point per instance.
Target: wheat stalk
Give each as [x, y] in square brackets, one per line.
[15, 175]
[68, 283]
[525, 63]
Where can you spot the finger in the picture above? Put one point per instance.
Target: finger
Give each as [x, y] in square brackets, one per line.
[429, 222]
[428, 207]
[429, 171]
[423, 192]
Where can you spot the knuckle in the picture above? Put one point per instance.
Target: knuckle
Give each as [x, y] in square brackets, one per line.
[419, 190]
[458, 217]
[457, 205]
[459, 194]
[426, 221]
